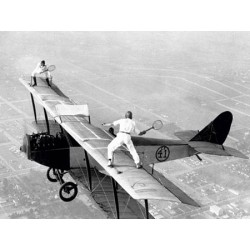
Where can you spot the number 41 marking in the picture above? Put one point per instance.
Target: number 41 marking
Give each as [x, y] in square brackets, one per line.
[162, 153]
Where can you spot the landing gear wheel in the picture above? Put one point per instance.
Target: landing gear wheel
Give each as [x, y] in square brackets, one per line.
[68, 191]
[50, 175]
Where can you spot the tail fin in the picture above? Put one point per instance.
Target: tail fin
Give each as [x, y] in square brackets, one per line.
[217, 130]
[210, 139]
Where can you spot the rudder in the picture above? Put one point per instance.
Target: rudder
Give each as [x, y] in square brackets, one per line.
[217, 130]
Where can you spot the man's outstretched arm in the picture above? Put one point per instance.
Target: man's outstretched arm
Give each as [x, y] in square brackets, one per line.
[107, 124]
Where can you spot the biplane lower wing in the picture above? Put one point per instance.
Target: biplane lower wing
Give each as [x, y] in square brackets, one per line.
[137, 182]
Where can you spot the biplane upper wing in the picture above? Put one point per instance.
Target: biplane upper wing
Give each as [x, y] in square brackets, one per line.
[137, 182]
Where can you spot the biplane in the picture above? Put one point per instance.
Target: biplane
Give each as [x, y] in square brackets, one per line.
[75, 131]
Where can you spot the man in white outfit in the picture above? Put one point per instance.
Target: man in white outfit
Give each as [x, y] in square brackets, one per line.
[127, 126]
[41, 68]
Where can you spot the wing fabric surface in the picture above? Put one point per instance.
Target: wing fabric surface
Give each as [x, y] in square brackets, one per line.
[137, 182]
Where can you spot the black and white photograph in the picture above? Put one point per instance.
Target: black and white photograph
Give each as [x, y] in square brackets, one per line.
[125, 125]
[99, 125]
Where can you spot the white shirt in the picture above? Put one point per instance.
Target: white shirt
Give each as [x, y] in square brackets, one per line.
[126, 125]
[40, 69]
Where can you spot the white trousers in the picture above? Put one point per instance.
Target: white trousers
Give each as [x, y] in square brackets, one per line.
[46, 74]
[120, 139]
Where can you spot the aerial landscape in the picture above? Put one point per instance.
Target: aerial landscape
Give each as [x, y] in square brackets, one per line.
[184, 79]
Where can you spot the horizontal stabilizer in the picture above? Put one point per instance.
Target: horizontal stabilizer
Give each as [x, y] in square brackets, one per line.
[186, 135]
[235, 152]
[215, 149]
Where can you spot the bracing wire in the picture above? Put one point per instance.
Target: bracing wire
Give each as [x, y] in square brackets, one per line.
[106, 197]
[140, 207]
[126, 205]
[78, 162]
[100, 180]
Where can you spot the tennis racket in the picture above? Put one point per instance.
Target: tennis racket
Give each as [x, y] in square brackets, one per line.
[50, 68]
[156, 126]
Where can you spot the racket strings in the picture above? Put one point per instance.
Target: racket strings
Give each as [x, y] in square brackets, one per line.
[51, 67]
[157, 125]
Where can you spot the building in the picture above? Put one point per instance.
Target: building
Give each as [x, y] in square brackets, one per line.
[218, 211]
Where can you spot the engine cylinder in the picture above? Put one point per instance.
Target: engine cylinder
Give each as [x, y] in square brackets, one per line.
[48, 150]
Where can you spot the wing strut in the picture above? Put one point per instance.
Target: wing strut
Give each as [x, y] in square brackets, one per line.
[47, 121]
[116, 198]
[34, 107]
[146, 208]
[88, 170]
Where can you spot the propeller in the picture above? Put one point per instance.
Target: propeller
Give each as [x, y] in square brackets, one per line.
[27, 130]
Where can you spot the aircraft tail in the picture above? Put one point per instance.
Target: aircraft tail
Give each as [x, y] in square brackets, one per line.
[217, 130]
[211, 138]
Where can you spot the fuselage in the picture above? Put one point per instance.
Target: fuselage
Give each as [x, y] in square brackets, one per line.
[60, 150]
[158, 150]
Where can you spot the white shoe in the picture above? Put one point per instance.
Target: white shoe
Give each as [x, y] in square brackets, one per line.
[109, 163]
[138, 165]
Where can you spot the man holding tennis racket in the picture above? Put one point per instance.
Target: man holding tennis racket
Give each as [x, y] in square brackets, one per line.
[41, 68]
[127, 126]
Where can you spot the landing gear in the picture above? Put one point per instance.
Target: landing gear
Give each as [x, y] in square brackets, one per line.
[51, 175]
[68, 190]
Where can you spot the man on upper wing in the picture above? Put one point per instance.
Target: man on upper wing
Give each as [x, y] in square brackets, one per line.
[127, 126]
[41, 68]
